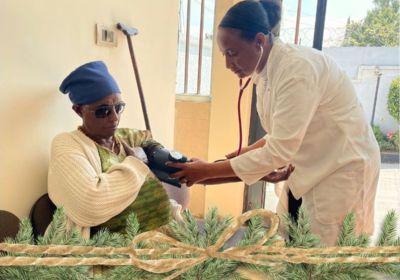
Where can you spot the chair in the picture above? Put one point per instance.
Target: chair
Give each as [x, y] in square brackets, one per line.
[9, 225]
[41, 215]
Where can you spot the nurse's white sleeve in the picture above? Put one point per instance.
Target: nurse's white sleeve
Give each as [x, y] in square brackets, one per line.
[297, 99]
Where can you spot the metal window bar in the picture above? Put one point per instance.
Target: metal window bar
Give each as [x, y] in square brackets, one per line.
[200, 47]
[296, 35]
[187, 45]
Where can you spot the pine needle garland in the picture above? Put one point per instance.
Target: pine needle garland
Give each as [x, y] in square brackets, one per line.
[190, 233]
[203, 235]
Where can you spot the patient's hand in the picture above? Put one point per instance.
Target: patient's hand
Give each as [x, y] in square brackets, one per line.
[136, 152]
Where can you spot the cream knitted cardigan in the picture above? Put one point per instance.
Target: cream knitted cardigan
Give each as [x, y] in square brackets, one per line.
[77, 183]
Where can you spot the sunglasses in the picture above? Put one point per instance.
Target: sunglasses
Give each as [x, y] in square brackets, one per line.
[105, 110]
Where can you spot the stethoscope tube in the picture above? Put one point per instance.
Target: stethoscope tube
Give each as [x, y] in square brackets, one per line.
[242, 88]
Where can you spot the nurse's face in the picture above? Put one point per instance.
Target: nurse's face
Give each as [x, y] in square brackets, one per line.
[241, 56]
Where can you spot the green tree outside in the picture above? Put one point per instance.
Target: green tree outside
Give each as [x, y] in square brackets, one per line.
[394, 99]
[381, 26]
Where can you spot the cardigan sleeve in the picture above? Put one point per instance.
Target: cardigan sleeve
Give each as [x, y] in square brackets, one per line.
[89, 196]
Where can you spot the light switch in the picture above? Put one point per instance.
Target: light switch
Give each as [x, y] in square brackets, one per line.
[106, 36]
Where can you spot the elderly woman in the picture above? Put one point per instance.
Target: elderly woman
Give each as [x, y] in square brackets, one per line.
[98, 171]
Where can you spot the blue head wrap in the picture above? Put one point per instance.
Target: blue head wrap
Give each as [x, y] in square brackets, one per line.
[89, 83]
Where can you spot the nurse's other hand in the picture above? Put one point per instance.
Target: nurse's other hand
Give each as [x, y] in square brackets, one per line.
[234, 153]
[231, 155]
[190, 172]
[279, 175]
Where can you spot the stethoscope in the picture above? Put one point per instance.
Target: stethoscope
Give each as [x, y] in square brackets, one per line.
[242, 87]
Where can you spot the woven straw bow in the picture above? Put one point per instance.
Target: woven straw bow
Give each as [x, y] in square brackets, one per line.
[242, 253]
[159, 260]
[186, 256]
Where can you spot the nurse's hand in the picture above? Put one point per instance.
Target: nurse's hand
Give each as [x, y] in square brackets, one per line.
[260, 143]
[234, 153]
[281, 174]
[191, 172]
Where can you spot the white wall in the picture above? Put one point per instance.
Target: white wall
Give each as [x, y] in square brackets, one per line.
[360, 64]
[41, 42]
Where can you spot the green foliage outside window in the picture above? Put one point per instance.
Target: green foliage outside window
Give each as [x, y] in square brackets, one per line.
[394, 99]
[381, 26]
[387, 142]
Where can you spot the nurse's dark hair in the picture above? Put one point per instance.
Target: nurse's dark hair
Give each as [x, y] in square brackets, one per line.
[252, 17]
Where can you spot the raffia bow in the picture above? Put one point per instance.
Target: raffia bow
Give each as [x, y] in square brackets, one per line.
[180, 257]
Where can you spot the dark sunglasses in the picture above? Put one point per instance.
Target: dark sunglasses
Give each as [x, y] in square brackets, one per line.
[105, 110]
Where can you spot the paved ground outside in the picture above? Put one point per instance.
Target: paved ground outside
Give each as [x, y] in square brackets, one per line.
[388, 194]
[387, 197]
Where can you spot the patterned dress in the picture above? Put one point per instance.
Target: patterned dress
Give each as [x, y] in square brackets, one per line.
[151, 206]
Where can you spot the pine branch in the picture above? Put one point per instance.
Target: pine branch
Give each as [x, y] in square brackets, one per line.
[211, 269]
[237, 276]
[11, 273]
[254, 232]
[214, 226]
[105, 238]
[56, 229]
[388, 234]
[128, 272]
[300, 232]
[347, 236]
[24, 235]
[391, 269]
[300, 237]
[264, 270]
[132, 227]
[187, 231]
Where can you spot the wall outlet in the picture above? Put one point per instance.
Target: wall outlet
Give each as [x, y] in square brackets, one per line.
[106, 36]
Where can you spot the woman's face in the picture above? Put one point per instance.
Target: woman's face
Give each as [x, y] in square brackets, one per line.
[241, 56]
[101, 118]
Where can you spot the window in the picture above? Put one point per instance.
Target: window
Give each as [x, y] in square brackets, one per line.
[195, 40]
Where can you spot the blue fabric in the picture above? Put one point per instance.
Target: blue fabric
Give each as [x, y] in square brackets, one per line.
[89, 83]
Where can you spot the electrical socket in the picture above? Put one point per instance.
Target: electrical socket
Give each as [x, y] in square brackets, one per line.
[106, 36]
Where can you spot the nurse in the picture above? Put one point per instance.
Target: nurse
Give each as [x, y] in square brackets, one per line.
[313, 119]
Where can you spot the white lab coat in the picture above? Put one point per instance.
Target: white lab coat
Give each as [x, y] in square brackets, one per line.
[313, 119]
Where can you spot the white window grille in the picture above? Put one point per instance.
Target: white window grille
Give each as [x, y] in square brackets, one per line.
[195, 41]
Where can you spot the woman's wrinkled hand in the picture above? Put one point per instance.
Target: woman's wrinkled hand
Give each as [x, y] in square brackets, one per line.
[190, 172]
[136, 152]
[280, 174]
